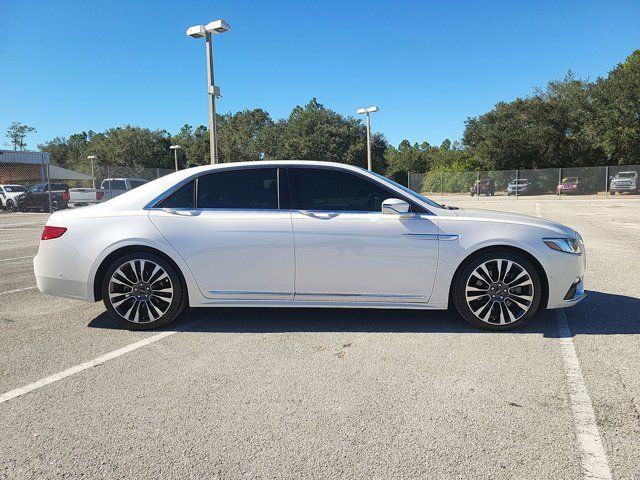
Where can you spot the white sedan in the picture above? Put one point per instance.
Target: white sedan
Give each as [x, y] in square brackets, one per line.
[304, 234]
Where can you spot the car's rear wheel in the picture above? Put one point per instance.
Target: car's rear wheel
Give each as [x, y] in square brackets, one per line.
[497, 291]
[142, 291]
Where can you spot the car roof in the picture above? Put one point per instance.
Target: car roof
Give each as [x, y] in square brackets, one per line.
[126, 178]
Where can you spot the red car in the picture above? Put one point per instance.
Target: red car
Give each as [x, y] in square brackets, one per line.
[568, 185]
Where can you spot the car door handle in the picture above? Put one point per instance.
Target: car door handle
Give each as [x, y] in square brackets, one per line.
[183, 213]
[319, 215]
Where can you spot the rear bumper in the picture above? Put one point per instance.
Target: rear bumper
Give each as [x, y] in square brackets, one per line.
[52, 280]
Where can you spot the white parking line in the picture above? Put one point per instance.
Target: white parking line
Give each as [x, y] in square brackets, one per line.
[5, 397]
[17, 290]
[15, 258]
[22, 225]
[592, 454]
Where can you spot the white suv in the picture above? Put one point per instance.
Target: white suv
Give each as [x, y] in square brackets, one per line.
[8, 195]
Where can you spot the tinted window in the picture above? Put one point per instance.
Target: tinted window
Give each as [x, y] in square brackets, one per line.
[183, 198]
[136, 183]
[318, 189]
[114, 185]
[254, 188]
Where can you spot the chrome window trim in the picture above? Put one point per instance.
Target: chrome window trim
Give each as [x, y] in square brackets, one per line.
[152, 205]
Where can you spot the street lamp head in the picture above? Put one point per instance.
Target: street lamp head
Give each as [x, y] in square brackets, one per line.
[197, 31]
[217, 27]
[371, 109]
[174, 147]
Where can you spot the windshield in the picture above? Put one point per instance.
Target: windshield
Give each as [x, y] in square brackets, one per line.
[15, 188]
[409, 191]
[626, 175]
[570, 180]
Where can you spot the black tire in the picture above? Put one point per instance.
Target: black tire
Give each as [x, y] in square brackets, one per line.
[11, 206]
[144, 263]
[611, 192]
[464, 277]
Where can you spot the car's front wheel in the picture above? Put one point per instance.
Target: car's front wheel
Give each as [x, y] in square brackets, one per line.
[11, 206]
[497, 291]
[143, 291]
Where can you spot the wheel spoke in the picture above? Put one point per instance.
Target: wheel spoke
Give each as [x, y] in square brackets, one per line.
[499, 291]
[140, 291]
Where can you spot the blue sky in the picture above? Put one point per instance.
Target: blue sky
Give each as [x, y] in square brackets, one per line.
[68, 66]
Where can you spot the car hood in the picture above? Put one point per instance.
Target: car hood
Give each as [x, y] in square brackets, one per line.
[514, 218]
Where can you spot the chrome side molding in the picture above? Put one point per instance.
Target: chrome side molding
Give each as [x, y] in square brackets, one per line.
[432, 236]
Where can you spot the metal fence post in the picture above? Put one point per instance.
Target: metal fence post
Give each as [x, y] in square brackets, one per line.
[477, 185]
[517, 184]
[441, 186]
[109, 177]
[558, 191]
[49, 187]
[606, 181]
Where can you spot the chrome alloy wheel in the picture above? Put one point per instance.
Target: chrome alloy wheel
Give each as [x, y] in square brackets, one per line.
[499, 291]
[140, 291]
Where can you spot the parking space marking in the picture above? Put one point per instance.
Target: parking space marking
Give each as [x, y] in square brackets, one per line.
[592, 454]
[15, 258]
[5, 397]
[18, 290]
[593, 458]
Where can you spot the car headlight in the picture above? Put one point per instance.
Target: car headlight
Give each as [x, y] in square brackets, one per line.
[566, 245]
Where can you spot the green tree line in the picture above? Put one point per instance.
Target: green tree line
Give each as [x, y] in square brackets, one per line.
[569, 122]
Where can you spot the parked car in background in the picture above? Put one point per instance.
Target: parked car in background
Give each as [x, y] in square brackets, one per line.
[81, 197]
[484, 186]
[568, 185]
[624, 182]
[112, 187]
[8, 195]
[519, 186]
[37, 197]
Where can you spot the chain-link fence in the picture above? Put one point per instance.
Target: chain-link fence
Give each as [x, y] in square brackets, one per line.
[29, 189]
[601, 182]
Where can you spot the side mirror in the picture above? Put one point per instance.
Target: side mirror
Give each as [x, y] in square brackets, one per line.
[395, 206]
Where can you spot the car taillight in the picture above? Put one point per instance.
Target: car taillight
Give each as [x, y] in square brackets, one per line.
[65, 196]
[99, 195]
[52, 232]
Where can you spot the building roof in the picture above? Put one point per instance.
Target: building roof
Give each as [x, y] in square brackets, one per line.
[15, 156]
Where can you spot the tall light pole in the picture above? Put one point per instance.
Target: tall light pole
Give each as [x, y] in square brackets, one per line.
[175, 149]
[368, 112]
[198, 31]
[93, 178]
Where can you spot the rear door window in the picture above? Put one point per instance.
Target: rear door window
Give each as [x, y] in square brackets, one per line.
[247, 189]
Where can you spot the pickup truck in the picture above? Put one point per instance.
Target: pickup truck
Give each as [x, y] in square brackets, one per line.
[624, 182]
[81, 197]
[8, 195]
[36, 198]
[112, 187]
[483, 186]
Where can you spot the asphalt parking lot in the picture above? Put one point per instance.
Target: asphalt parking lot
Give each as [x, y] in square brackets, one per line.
[235, 393]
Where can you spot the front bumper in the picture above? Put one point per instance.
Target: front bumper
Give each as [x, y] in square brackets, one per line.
[575, 294]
